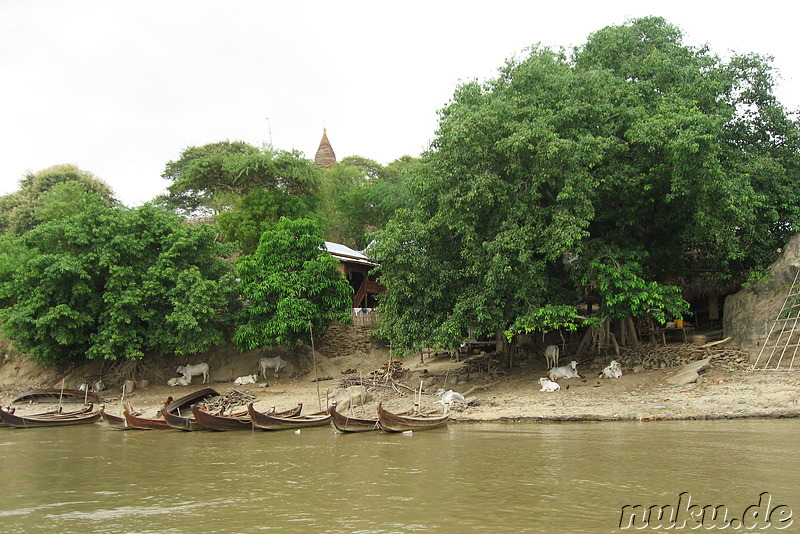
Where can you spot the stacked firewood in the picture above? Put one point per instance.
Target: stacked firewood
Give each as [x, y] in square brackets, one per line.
[392, 369]
[654, 356]
[225, 402]
[482, 363]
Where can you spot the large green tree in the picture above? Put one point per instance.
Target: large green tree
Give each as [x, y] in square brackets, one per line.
[359, 196]
[248, 189]
[604, 176]
[291, 285]
[53, 192]
[115, 283]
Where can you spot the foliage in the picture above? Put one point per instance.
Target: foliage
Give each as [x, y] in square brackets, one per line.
[114, 283]
[57, 191]
[635, 143]
[290, 283]
[214, 176]
[359, 196]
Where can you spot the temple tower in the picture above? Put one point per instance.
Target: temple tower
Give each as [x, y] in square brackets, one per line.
[325, 157]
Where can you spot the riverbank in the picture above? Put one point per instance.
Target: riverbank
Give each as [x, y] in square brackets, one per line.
[724, 391]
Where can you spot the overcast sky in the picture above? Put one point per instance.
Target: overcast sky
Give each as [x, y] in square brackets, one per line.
[120, 88]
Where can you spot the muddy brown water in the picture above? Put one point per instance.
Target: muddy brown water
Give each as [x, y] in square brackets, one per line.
[498, 477]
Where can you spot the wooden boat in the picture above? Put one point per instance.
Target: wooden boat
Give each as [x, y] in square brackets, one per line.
[278, 421]
[345, 423]
[392, 422]
[114, 421]
[221, 423]
[146, 423]
[2, 423]
[178, 414]
[85, 415]
[56, 395]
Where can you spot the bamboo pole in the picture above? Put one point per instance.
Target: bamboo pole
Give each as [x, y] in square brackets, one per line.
[314, 358]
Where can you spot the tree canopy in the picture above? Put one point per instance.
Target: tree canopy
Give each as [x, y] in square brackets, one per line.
[114, 283]
[290, 284]
[609, 174]
[53, 192]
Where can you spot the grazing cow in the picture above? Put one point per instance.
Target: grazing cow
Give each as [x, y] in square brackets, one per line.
[348, 398]
[244, 380]
[613, 370]
[179, 381]
[551, 356]
[548, 385]
[450, 397]
[276, 363]
[188, 371]
[566, 371]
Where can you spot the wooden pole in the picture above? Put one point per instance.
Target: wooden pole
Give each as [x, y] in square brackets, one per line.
[314, 358]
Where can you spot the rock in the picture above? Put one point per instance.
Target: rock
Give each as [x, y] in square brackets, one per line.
[129, 386]
[688, 373]
[142, 384]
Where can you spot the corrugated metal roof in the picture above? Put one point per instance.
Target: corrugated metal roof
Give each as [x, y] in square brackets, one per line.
[344, 253]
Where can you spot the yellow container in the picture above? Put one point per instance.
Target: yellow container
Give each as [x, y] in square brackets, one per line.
[678, 323]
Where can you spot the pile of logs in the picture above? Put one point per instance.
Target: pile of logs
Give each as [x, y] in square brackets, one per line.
[654, 356]
[482, 363]
[392, 369]
[230, 399]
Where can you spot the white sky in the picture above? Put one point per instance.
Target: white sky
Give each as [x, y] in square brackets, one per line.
[120, 88]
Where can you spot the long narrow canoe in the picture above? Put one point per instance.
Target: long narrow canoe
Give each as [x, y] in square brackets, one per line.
[114, 421]
[178, 413]
[221, 423]
[392, 422]
[345, 423]
[85, 415]
[267, 421]
[144, 423]
[56, 395]
[2, 424]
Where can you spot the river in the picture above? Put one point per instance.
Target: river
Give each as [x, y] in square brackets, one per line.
[489, 478]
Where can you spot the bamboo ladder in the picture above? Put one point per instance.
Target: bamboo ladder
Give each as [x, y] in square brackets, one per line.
[783, 340]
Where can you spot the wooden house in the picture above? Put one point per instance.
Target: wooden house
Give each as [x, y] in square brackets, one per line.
[355, 266]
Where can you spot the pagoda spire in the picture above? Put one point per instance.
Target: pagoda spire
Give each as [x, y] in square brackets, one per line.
[325, 157]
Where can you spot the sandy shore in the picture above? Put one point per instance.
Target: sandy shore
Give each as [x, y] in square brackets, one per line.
[719, 393]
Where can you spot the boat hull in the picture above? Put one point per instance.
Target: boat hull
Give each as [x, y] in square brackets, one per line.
[178, 414]
[83, 416]
[265, 421]
[344, 423]
[221, 423]
[392, 422]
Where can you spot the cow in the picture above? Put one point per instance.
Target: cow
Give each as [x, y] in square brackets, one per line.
[244, 380]
[566, 371]
[613, 370]
[551, 356]
[450, 397]
[347, 398]
[548, 385]
[188, 371]
[276, 363]
[179, 381]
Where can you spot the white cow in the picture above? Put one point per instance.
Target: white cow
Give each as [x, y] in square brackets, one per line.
[178, 381]
[548, 385]
[188, 371]
[551, 356]
[450, 397]
[276, 363]
[613, 370]
[346, 398]
[566, 371]
[244, 380]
